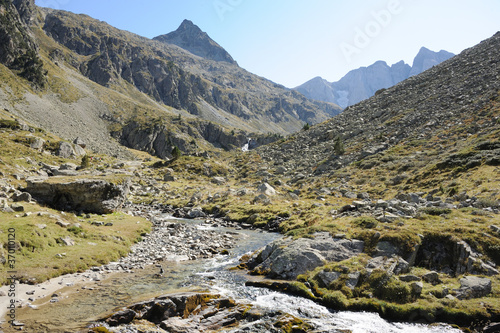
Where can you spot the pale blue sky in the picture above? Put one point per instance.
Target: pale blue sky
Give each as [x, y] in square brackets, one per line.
[292, 41]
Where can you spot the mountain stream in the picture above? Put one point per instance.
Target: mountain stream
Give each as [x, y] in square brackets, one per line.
[86, 305]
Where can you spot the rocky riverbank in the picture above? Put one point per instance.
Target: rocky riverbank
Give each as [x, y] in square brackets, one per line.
[170, 240]
[174, 240]
[200, 312]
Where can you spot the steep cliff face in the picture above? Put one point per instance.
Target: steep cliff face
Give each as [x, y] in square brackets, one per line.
[212, 87]
[188, 135]
[191, 38]
[18, 49]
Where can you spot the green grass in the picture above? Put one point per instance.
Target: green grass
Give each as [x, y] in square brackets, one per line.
[37, 256]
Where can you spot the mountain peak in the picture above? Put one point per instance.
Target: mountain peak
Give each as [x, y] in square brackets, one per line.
[426, 59]
[187, 24]
[191, 38]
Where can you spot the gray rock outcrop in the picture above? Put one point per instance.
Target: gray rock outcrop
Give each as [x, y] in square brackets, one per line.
[473, 287]
[87, 195]
[287, 258]
[18, 46]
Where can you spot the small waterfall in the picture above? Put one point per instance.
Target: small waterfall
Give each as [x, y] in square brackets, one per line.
[246, 146]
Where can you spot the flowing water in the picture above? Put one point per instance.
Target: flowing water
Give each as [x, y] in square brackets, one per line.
[74, 313]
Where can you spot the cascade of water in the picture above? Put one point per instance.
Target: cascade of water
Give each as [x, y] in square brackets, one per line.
[246, 146]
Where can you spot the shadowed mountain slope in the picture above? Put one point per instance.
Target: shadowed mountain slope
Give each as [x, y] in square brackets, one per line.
[427, 119]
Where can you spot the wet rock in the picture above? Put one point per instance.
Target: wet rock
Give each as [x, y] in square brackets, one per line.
[328, 277]
[196, 213]
[179, 325]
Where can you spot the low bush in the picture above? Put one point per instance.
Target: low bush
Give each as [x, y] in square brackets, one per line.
[365, 222]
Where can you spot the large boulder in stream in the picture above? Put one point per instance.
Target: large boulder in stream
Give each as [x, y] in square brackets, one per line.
[99, 196]
[287, 258]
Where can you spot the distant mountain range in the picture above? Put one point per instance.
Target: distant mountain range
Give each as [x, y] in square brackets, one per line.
[179, 89]
[362, 83]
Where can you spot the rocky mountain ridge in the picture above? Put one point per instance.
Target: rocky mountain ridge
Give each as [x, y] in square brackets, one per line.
[218, 91]
[455, 99]
[97, 80]
[362, 83]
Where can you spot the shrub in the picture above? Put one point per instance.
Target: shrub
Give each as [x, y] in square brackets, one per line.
[365, 222]
[338, 146]
[75, 230]
[85, 162]
[306, 127]
[12, 124]
[395, 291]
[436, 211]
[335, 300]
[176, 153]
[485, 203]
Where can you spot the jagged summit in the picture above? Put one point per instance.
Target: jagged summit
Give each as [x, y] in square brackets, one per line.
[362, 83]
[191, 38]
[426, 58]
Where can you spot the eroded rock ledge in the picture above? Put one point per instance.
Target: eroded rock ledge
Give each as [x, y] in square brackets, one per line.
[97, 196]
